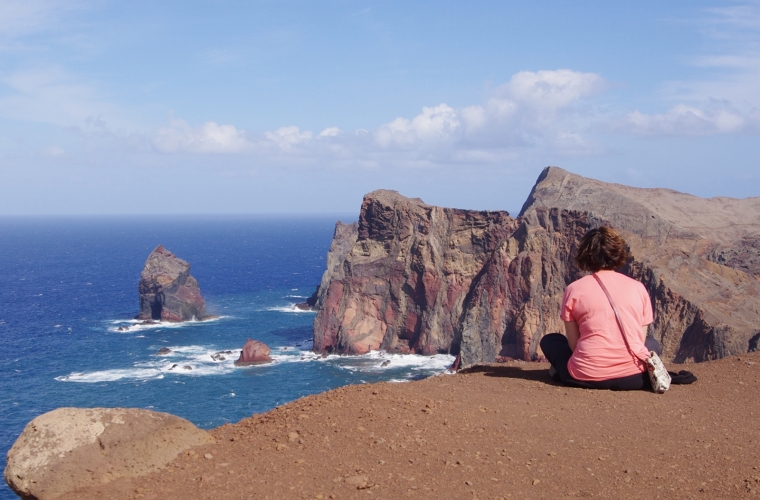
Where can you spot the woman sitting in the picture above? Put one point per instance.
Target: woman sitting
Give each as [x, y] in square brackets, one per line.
[593, 353]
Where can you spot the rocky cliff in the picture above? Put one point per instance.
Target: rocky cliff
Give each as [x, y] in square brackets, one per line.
[428, 279]
[403, 283]
[167, 290]
[344, 238]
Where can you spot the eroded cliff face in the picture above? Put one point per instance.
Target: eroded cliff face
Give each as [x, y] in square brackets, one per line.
[516, 298]
[695, 256]
[427, 279]
[343, 241]
[402, 285]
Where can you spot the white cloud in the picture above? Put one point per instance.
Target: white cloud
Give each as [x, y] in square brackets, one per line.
[543, 107]
[433, 124]
[687, 120]
[330, 132]
[552, 89]
[728, 103]
[287, 137]
[208, 138]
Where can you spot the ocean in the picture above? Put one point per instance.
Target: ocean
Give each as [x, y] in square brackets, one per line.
[68, 283]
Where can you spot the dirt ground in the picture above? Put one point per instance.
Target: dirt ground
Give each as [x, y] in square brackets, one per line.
[497, 431]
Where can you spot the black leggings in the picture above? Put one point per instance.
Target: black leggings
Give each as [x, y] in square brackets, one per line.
[558, 352]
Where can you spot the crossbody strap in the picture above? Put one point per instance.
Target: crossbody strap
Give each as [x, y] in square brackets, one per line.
[617, 315]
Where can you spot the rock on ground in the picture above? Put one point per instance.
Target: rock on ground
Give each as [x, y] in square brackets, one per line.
[167, 290]
[73, 448]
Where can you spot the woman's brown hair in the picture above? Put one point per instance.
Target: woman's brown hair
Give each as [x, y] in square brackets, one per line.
[601, 248]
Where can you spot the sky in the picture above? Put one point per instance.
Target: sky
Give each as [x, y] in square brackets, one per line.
[227, 107]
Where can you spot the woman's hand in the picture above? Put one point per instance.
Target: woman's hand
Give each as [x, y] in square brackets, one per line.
[572, 333]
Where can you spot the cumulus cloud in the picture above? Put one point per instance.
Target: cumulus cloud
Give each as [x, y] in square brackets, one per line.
[287, 137]
[207, 138]
[211, 137]
[432, 125]
[543, 112]
[329, 132]
[552, 89]
[532, 108]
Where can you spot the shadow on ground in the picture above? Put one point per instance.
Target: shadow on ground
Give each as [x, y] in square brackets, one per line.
[537, 375]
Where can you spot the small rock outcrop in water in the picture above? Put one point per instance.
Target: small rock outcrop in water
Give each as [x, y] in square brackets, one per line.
[164, 351]
[71, 448]
[254, 353]
[426, 279]
[167, 290]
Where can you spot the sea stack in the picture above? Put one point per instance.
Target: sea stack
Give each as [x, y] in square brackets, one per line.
[167, 290]
[254, 353]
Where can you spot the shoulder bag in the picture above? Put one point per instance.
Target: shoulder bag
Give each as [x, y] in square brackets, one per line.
[658, 375]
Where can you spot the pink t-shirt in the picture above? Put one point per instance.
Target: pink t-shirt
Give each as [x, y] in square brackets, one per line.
[601, 353]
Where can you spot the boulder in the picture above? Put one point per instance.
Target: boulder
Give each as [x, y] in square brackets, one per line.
[487, 286]
[253, 353]
[75, 448]
[167, 290]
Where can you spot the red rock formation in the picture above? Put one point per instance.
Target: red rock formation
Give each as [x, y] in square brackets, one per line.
[167, 290]
[427, 279]
[344, 238]
[704, 309]
[254, 353]
[402, 285]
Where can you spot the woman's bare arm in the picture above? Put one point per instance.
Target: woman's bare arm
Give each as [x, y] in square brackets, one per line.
[572, 333]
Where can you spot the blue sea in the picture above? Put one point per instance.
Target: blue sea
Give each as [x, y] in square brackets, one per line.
[69, 283]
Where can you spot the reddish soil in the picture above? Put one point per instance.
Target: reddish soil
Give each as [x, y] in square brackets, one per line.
[498, 431]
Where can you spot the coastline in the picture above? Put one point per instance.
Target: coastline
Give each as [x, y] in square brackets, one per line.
[494, 431]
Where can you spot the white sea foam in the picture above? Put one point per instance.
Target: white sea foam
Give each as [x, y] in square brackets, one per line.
[182, 360]
[197, 361]
[295, 297]
[381, 361]
[112, 375]
[290, 308]
[137, 325]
